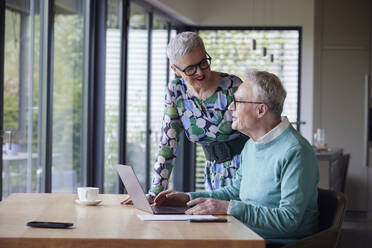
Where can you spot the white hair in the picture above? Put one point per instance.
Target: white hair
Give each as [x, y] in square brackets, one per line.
[268, 88]
[183, 43]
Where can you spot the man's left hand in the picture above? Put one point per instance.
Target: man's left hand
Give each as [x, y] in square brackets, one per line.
[207, 206]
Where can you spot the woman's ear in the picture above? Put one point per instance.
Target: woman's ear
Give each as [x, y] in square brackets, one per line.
[176, 71]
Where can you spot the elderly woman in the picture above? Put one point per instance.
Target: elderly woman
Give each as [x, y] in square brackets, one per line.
[274, 192]
[197, 103]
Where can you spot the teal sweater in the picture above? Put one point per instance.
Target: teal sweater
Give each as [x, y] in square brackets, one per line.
[274, 192]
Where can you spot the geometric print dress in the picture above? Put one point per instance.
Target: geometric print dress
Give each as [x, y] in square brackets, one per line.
[203, 122]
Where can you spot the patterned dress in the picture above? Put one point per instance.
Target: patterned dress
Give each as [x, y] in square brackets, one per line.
[203, 122]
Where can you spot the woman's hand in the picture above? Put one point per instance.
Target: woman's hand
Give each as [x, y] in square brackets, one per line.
[128, 201]
[171, 198]
[207, 206]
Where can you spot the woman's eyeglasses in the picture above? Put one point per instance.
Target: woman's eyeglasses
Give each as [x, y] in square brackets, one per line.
[191, 69]
[241, 101]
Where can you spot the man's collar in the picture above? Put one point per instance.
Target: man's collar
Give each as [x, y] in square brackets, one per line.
[273, 133]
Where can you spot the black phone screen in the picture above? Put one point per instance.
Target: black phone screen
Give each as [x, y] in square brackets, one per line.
[47, 224]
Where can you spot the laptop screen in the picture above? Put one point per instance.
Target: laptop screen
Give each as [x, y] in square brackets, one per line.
[132, 185]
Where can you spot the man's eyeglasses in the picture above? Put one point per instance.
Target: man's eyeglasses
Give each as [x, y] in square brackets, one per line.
[241, 101]
[191, 69]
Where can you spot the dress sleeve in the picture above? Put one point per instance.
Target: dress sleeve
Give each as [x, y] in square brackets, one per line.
[298, 181]
[166, 156]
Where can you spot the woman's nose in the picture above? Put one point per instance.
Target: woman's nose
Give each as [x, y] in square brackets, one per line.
[231, 106]
[199, 71]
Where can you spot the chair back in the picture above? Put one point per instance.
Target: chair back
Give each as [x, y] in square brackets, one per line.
[332, 205]
[344, 168]
[339, 173]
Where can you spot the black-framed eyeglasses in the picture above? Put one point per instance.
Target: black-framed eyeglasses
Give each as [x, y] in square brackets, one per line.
[191, 69]
[241, 101]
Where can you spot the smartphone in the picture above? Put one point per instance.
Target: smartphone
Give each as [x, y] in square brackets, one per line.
[208, 220]
[48, 224]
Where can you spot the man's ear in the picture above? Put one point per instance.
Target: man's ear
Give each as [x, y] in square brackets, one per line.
[176, 71]
[262, 110]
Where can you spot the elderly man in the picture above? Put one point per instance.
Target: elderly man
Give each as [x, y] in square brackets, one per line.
[274, 192]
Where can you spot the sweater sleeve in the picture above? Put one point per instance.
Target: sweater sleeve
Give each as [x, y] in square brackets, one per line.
[298, 177]
[166, 156]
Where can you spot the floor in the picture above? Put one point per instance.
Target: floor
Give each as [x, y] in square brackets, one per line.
[356, 231]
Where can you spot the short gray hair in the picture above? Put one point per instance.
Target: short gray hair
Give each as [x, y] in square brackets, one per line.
[268, 88]
[183, 43]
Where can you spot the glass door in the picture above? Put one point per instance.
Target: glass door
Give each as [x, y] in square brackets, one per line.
[68, 82]
[24, 123]
[20, 143]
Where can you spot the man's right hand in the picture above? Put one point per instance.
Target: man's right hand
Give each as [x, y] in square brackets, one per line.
[171, 198]
[128, 201]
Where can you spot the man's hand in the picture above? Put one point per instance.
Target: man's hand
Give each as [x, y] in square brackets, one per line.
[171, 198]
[128, 201]
[207, 206]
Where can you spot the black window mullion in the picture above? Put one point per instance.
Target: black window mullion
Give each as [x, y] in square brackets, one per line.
[96, 95]
[168, 65]
[125, 17]
[2, 49]
[46, 93]
[148, 109]
[85, 95]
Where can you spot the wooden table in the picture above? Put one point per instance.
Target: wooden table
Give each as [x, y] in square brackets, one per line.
[109, 225]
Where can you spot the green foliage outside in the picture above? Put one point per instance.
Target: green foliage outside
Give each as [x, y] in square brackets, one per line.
[11, 71]
[67, 98]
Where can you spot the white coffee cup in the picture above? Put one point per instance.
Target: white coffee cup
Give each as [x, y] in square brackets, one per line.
[88, 193]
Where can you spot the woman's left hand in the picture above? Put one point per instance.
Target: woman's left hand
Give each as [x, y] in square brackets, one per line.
[207, 206]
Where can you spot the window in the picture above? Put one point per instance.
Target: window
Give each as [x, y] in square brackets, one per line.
[20, 149]
[112, 97]
[67, 95]
[137, 92]
[55, 111]
[159, 70]
[23, 87]
[232, 53]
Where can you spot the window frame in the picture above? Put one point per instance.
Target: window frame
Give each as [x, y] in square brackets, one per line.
[244, 28]
[271, 28]
[172, 24]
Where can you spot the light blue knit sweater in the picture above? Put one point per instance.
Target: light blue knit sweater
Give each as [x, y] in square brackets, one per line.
[274, 192]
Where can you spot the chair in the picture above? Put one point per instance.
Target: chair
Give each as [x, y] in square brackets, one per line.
[339, 173]
[344, 163]
[331, 206]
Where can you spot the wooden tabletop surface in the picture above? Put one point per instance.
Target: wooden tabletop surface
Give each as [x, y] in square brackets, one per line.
[109, 224]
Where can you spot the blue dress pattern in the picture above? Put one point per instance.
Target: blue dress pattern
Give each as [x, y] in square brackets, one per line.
[203, 122]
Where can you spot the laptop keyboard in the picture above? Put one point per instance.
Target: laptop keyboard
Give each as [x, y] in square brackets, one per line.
[169, 209]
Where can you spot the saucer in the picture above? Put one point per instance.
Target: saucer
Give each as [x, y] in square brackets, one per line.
[88, 203]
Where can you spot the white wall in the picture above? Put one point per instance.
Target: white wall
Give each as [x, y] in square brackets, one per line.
[342, 59]
[258, 13]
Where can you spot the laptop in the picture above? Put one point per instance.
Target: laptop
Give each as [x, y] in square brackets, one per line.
[132, 185]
